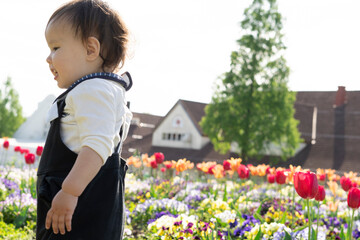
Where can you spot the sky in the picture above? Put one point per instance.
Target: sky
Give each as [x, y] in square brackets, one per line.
[180, 49]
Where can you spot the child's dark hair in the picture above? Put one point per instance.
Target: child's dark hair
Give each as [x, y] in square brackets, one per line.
[94, 18]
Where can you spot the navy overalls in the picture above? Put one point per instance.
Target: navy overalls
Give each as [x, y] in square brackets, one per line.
[100, 212]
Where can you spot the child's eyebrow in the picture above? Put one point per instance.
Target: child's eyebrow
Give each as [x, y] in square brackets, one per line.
[51, 41]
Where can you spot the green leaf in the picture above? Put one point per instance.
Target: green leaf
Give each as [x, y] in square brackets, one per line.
[313, 234]
[258, 235]
[348, 232]
[258, 210]
[259, 217]
[225, 193]
[19, 221]
[229, 235]
[300, 228]
[342, 234]
[283, 218]
[152, 191]
[287, 236]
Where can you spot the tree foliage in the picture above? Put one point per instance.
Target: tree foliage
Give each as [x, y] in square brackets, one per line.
[10, 110]
[253, 107]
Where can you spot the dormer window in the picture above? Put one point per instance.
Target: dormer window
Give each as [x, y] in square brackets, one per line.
[173, 136]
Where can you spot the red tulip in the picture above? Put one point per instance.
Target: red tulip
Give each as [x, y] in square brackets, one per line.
[6, 144]
[168, 165]
[163, 169]
[17, 149]
[211, 169]
[227, 165]
[243, 172]
[30, 158]
[271, 178]
[280, 177]
[153, 164]
[354, 198]
[322, 177]
[345, 183]
[354, 184]
[24, 151]
[39, 150]
[159, 157]
[306, 184]
[267, 171]
[320, 195]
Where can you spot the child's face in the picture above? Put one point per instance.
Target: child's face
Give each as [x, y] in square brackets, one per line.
[68, 54]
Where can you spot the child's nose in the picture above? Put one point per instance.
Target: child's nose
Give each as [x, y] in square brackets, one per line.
[48, 59]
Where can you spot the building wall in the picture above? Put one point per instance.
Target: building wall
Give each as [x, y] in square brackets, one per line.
[36, 126]
[178, 131]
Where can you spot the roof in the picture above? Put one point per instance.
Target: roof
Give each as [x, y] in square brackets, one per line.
[195, 111]
[337, 132]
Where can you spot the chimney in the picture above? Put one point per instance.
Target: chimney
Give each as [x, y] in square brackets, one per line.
[340, 98]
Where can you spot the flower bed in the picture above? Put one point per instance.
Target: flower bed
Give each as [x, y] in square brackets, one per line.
[176, 200]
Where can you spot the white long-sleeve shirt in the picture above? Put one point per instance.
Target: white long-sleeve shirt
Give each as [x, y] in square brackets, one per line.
[94, 112]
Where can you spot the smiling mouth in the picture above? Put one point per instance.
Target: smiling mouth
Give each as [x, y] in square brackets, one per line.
[54, 72]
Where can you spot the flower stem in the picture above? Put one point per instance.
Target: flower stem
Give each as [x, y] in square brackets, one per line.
[317, 221]
[293, 205]
[309, 217]
[350, 225]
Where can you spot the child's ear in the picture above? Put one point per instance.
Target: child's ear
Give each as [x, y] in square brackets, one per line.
[92, 48]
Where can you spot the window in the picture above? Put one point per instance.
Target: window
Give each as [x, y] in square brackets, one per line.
[173, 136]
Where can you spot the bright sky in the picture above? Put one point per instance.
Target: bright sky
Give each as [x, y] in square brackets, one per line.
[180, 48]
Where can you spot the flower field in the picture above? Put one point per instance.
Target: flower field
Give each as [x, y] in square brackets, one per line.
[225, 200]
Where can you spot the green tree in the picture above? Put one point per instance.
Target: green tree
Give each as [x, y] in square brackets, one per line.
[253, 108]
[10, 110]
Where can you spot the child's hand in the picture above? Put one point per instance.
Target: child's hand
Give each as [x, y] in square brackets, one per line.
[60, 214]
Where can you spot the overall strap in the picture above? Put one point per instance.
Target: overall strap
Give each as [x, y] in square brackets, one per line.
[125, 80]
[118, 148]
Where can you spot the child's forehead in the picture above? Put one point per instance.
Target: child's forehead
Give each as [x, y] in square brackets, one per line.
[59, 26]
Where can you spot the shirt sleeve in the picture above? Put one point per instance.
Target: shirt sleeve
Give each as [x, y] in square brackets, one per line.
[94, 109]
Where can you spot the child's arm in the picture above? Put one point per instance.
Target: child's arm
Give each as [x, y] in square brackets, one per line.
[87, 165]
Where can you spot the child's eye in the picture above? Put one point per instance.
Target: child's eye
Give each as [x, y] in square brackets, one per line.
[55, 48]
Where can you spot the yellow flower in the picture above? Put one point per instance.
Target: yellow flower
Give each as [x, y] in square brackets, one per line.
[218, 171]
[148, 195]
[333, 187]
[333, 205]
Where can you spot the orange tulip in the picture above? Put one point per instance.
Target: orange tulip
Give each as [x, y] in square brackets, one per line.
[333, 205]
[146, 160]
[235, 163]
[321, 174]
[218, 171]
[333, 187]
[183, 164]
[134, 161]
[292, 170]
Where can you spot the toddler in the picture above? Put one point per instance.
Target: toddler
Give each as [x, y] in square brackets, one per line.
[80, 186]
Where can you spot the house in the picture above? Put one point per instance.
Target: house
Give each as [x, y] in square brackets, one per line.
[329, 123]
[36, 126]
[177, 135]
